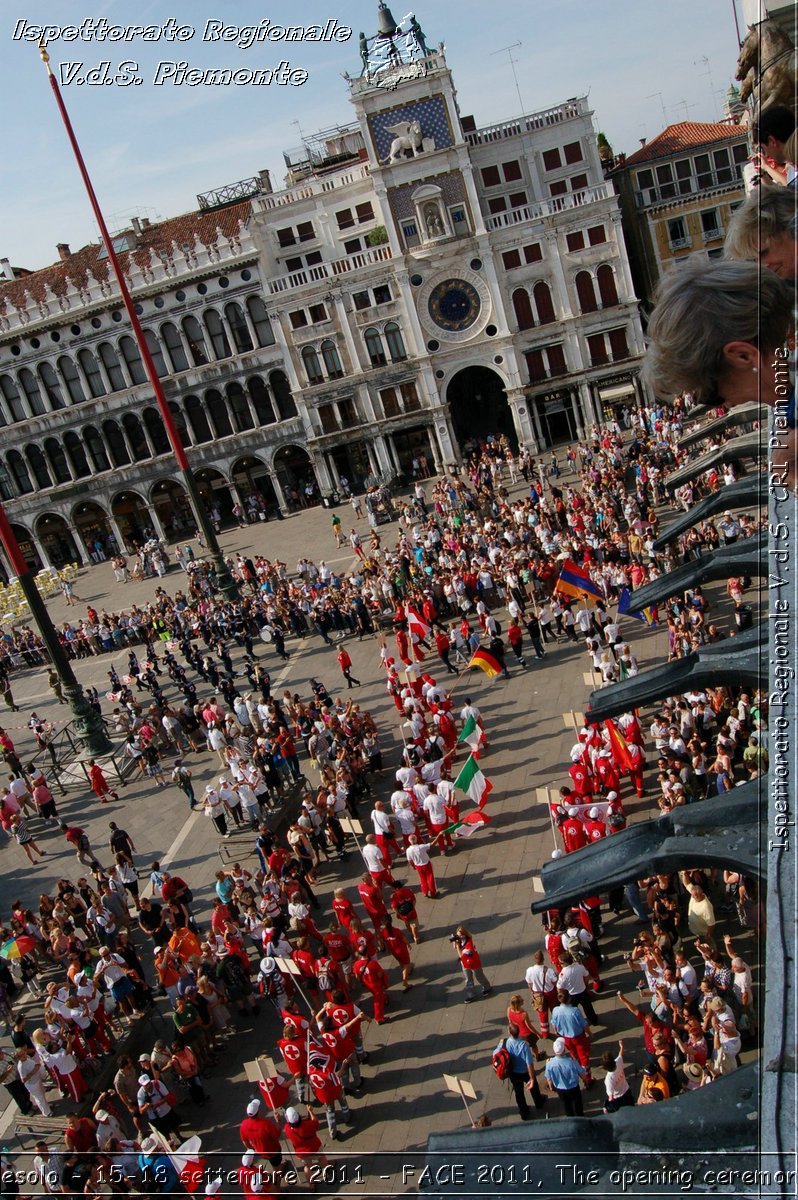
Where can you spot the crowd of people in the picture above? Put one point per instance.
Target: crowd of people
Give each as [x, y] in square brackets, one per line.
[468, 551]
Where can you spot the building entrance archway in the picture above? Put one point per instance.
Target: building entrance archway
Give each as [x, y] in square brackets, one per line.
[479, 406]
[171, 504]
[216, 496]
[254, 484]
[94, 530]
[133, 519]
[29, 551]
[56, 537]
[297, 478]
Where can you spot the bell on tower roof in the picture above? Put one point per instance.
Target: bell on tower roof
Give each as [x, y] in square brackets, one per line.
[386, 26]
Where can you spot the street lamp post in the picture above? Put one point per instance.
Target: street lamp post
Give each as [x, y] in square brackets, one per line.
[88, 723]
[225, 580]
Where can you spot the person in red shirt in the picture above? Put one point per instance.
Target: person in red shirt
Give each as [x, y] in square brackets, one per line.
[607, 774]
[294, 1049]
[99, 784]
[328, 975]
[370, 974]
[403, 903]
[573, 832]
[341, 1044]
[305, 959]
[582, 780]
[636, 765]
[261, 1134]
[345, 663]
[253, 1182]
[554, 944]
[373, 902]
[339, 948]
[302, 1133]
[358, 934]
[443, 647]
[594, 827]
[343, 908]
[327, 1087]
[288, 752]
[396, 943]
[343, 1011]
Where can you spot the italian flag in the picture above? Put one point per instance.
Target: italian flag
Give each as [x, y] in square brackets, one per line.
[473, 736]
[473, 782]
[469, 825]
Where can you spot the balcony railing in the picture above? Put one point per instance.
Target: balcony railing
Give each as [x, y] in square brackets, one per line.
[547, 208]
[679, 243]
[727, 178]
[329, 270]
[526, 124]
[712, 235]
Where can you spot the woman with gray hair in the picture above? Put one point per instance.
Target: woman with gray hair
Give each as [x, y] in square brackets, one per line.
[764, 229]
[717, 330]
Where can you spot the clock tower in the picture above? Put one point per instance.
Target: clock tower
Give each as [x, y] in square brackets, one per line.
[421, 170]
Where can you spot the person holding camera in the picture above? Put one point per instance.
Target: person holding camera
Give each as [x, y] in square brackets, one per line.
[470, 962]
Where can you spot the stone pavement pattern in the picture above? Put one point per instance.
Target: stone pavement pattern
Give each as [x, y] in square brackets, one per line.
[486, 883]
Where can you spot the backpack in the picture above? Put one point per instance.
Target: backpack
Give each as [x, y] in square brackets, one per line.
[573, 944]
[405, 907]
[502, 1063]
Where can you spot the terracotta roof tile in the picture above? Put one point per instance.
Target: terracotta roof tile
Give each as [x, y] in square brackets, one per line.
[685, 135]
[157, 237]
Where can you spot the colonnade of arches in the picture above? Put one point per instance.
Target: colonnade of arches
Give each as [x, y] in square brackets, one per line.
[113, 365]
[94, 530]
[129, 438]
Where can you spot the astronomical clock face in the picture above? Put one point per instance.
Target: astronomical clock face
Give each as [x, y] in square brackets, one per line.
[454, 305]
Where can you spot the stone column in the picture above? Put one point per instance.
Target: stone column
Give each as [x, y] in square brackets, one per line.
[540, 436]
[83, 556]
[519, 407]
[382, 454]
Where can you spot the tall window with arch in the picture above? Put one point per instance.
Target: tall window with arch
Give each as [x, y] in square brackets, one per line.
[52, 388]
[284, 401]
[96, 448]
[522, 307]
[260, 321]
[57, 459]
[218, 334]
[156, 353]
[374, 347]
[116, 444]
[395, 342]
[541, 293]
[332, 360]
[261, 401]
[237, 403]
[605, 278]
[130, 353]
[585, 292]
[30, 387]
[92, 372]
[71, 378]
[195, 340]
[310, 361]
[16, 409]
[110, 360]
[38, 465]
[19, 473]
[174, 347]
[238, 327]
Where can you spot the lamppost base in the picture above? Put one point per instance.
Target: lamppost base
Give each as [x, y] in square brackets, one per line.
[87, 722]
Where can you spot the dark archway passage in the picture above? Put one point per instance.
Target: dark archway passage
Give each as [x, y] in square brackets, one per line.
[479, 406]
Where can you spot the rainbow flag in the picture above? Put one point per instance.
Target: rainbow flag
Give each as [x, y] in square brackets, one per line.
[577, 584]
[486, 662]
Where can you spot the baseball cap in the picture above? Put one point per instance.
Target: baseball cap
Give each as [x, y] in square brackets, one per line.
[593, 813]
[559, 1046]
[102, 1115]
[144, 1080]
[253, 1107]
[292, 1116]
[247, 1159]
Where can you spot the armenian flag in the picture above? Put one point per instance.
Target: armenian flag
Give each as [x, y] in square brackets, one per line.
[577, 584]
[486, 662]
[649, 615]
[473, 782]
[473, 736]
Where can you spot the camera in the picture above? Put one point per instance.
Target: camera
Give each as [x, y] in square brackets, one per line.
[454, 939]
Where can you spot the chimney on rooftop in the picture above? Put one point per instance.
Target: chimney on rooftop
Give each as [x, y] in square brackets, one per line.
[63, 251]
[643, 141]
[6, 270]
[136, 223]
[265, 180]
[145, 222]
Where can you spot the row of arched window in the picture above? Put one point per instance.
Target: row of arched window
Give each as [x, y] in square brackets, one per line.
[115, 366]
[539, 310]
[119, 442]
[376, 342]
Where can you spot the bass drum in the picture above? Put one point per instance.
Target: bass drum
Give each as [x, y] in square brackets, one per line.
[266, 634]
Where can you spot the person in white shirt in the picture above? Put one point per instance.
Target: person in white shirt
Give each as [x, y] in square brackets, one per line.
[619, 1094]
[542, 983]
[418, 856]
[376, 861]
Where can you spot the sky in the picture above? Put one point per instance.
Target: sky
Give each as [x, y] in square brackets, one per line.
[150, 149]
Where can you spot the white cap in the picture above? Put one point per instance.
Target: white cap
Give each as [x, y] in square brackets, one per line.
[593, 813]
[150, 1144]
[556, 853]
[253, 1108]
[292, 1116]
[612, 796]
[247, 1159]
[559, 1046]
[102, 1115]
[573, 811]
[576, 753]
[144, 1080]
[213, 1187]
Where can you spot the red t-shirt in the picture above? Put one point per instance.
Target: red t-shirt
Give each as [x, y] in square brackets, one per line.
[294, 1052]
[372, 899]
[261, 1135]
[370, 974]
[397, 944]
[338, 946]
[401, 897]
[303, 1137]
[343, 910]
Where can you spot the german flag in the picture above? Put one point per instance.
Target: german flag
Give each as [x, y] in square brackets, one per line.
[486, 662]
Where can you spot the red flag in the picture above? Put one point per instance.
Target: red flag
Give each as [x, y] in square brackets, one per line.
[620, 750]
[417, 625]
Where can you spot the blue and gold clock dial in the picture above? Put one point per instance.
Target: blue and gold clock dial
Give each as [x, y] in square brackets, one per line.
[454, 304]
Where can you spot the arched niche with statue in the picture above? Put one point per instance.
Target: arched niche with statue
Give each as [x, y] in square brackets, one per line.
[431, 216]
